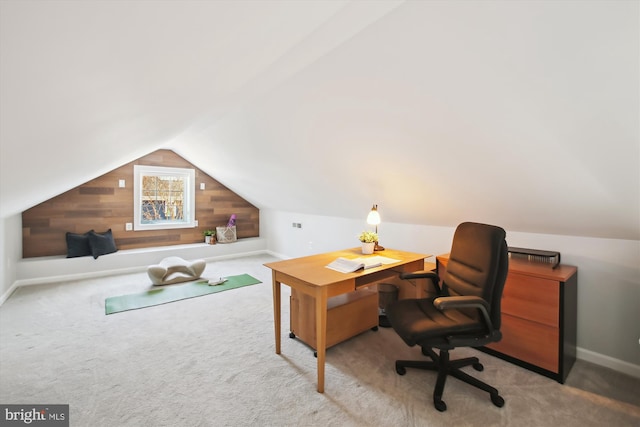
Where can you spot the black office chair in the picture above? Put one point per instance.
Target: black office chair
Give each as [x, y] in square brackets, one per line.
[466, 312]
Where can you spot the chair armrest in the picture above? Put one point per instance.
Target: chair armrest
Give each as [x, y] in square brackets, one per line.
[468, 301]
[424, 274]
[444, 303]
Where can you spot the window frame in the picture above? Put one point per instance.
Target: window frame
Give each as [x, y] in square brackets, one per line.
[189, 199]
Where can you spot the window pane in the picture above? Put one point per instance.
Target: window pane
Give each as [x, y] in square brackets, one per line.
[165, 198]
[162, 199]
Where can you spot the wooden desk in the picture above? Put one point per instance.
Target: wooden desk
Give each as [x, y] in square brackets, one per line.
[310, 276]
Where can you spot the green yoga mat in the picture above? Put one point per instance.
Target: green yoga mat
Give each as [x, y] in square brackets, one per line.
[174, 293]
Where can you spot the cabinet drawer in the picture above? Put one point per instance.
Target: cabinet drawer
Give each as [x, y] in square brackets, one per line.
[529, 341]
[347, 316]
[532, 298]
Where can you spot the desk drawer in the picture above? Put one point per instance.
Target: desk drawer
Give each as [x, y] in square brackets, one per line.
[529, 341]
[532, 298]
[347, 316]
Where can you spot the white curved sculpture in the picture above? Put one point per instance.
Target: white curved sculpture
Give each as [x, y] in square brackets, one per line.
[175, 270]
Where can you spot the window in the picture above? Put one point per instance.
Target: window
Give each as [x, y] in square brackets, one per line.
[163, 197]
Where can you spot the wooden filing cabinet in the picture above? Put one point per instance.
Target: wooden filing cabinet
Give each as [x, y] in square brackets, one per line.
[347, 315]
[538, 316]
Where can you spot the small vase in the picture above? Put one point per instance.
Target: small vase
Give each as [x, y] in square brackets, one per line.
[367, 248]
[207, 239]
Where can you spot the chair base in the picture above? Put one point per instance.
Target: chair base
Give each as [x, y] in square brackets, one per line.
[445, 367]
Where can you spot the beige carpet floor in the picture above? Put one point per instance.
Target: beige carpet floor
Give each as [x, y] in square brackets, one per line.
[210, 361]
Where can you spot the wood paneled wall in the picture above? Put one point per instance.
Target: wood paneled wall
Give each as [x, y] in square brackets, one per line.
[100, 204]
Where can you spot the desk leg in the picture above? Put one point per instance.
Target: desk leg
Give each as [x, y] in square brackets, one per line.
[321, 336]
[276, 312]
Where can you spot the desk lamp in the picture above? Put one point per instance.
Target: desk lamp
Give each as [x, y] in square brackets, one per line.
[374, 219]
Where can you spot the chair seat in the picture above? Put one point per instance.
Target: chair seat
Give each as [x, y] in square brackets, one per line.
[417, 321]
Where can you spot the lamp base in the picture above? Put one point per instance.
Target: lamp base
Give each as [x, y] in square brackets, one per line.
[377, 247]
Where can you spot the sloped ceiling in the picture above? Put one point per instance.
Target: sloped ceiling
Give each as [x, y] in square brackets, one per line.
[524, 114]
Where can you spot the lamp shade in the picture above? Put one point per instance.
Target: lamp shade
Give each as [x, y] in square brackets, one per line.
[374, 217]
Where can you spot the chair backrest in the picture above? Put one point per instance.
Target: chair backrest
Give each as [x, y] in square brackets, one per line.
[478, 265]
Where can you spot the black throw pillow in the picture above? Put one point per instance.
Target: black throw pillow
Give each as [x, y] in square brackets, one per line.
[101, 244]
[78, 244]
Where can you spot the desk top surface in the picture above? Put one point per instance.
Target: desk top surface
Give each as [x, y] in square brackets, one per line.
[312, 268]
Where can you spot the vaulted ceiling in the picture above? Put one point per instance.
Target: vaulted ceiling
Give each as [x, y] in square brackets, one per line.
[525, 114]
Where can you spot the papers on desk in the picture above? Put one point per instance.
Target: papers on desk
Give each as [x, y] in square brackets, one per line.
[345, 265]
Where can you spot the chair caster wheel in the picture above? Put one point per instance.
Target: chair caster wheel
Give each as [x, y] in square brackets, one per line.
[497, 400]
[478, 367]
[400, 370]
[375, 328]
[292, 335]
[440, 405]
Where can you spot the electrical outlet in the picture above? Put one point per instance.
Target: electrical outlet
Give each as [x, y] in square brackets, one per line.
[121, 183]
[195, 222]
[128, 226]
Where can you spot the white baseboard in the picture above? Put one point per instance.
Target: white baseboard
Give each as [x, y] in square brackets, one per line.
[277, 255]
[608, 362]
[5, 296]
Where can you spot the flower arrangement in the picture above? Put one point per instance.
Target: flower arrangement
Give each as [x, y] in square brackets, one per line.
[368, 237]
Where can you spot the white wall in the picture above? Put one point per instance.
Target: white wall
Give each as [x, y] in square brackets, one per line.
[531, 91]
[510, 104]
[10, 252]
[608, 272]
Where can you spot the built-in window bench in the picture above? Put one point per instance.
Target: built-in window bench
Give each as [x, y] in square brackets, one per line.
[31, 271]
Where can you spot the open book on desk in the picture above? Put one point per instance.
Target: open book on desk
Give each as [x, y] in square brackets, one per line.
[345, 265]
